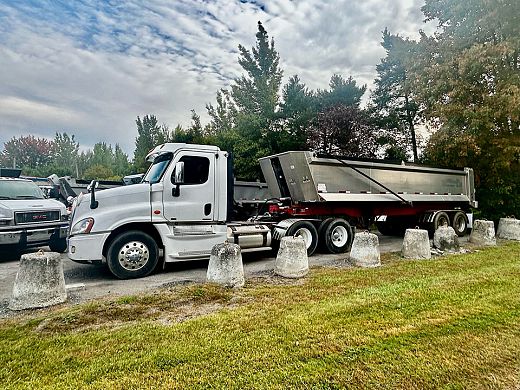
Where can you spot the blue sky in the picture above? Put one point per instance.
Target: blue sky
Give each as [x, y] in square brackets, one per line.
[91, 67]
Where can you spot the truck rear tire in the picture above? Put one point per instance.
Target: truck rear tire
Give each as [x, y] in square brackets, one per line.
[459, 223]
[307, 231]
[132, 254]
[338, 236]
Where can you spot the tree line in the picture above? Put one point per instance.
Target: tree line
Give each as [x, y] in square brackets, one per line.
[462, 84]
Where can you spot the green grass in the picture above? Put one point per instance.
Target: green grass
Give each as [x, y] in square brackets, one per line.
[452, 322]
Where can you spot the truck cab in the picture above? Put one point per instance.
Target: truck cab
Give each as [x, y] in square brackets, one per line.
[177, 211]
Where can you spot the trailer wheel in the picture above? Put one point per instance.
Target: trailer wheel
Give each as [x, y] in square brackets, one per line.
[440, 219]
[338, 236]
[460, 223]
[321, 233]
[132, 254]
[307, 231]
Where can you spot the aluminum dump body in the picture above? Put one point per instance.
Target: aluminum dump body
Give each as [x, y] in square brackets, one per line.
[307, 178]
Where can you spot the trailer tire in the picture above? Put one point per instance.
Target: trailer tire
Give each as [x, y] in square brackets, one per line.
[321, 233]
[459, 223]
[307, 231]
[440, 219]
[338, 236]
[132, 254]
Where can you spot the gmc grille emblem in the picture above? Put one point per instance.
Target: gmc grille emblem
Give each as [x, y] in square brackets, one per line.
[39, 216]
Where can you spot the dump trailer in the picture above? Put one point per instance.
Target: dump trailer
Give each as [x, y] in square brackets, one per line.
[394, 196]
[188, 201]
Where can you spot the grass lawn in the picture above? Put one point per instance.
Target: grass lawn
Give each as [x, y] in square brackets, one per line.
[451, 322]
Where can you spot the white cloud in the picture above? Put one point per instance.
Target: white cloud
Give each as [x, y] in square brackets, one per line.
[90, 68]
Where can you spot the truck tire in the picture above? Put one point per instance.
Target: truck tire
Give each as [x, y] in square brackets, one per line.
[307, 231]
[321, 233]
[459, 223]
[440, 219]
[338, 236]
[58, 245]
[132, 254]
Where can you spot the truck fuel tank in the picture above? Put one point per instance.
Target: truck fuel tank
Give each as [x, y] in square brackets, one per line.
[249, 236]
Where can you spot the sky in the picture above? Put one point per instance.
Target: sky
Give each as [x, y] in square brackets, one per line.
[89, 67]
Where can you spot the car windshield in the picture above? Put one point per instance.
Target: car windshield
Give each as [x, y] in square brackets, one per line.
[14, 189]
[157, 169]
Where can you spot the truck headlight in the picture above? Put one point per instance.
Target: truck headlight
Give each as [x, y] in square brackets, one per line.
[82, 227]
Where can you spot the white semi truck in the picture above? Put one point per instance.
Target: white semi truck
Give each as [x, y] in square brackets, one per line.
[188, 201]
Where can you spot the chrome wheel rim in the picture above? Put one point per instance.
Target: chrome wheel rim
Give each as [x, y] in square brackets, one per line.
[339, 236]
[306, 235]
[133, 255]
[460, 224]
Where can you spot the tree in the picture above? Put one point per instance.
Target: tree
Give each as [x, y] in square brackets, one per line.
[297, 110]
[149, 135]
[343, 130]
[65, 157]
[256, 97]
[31, 154]
[341, 92]
[121, 165]
[394, 103]
[256, 92]
[468, 77]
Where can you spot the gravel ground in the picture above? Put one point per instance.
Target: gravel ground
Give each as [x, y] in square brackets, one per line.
[86, 282]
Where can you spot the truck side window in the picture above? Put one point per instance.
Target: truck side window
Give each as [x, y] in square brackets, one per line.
[196, 170]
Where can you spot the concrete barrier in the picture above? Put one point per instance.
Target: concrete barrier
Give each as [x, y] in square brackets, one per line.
[365, 250]
[446, 239]
[483, 233]
[39, 282]
[416, 244]
[225, 265]
[291, 260]
[509, 229]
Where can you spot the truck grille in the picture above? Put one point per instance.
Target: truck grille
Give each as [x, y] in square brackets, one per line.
[36, 216]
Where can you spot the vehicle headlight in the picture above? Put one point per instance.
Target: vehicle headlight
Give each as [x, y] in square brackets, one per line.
[82, 227]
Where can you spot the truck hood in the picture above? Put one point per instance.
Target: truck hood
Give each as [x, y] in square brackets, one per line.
[9, 207]
[116, 206]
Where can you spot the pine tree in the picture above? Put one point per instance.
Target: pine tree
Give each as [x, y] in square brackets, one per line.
[393, 100]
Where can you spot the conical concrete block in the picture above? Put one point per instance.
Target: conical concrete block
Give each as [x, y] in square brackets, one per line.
[416, 244]
[225, 265]
[291, 260]
[483, 233]
[365, 250]
[509, 229]
[446, 239]
[39, 282]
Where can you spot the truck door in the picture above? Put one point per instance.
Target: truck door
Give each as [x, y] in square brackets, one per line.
[194, 199]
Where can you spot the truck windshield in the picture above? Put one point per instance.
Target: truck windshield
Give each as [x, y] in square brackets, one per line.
[157, 169]
[14, 189]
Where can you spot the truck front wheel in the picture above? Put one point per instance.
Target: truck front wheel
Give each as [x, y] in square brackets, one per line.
[132, 254]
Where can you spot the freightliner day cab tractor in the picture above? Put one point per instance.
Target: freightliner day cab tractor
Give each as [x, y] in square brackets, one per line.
[188, 201]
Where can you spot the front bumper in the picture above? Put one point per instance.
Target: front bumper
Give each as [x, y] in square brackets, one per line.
[34, 236]
[87, 248]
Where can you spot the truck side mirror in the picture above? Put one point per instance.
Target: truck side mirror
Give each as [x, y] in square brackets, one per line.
[178, 179]
[179, 172]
